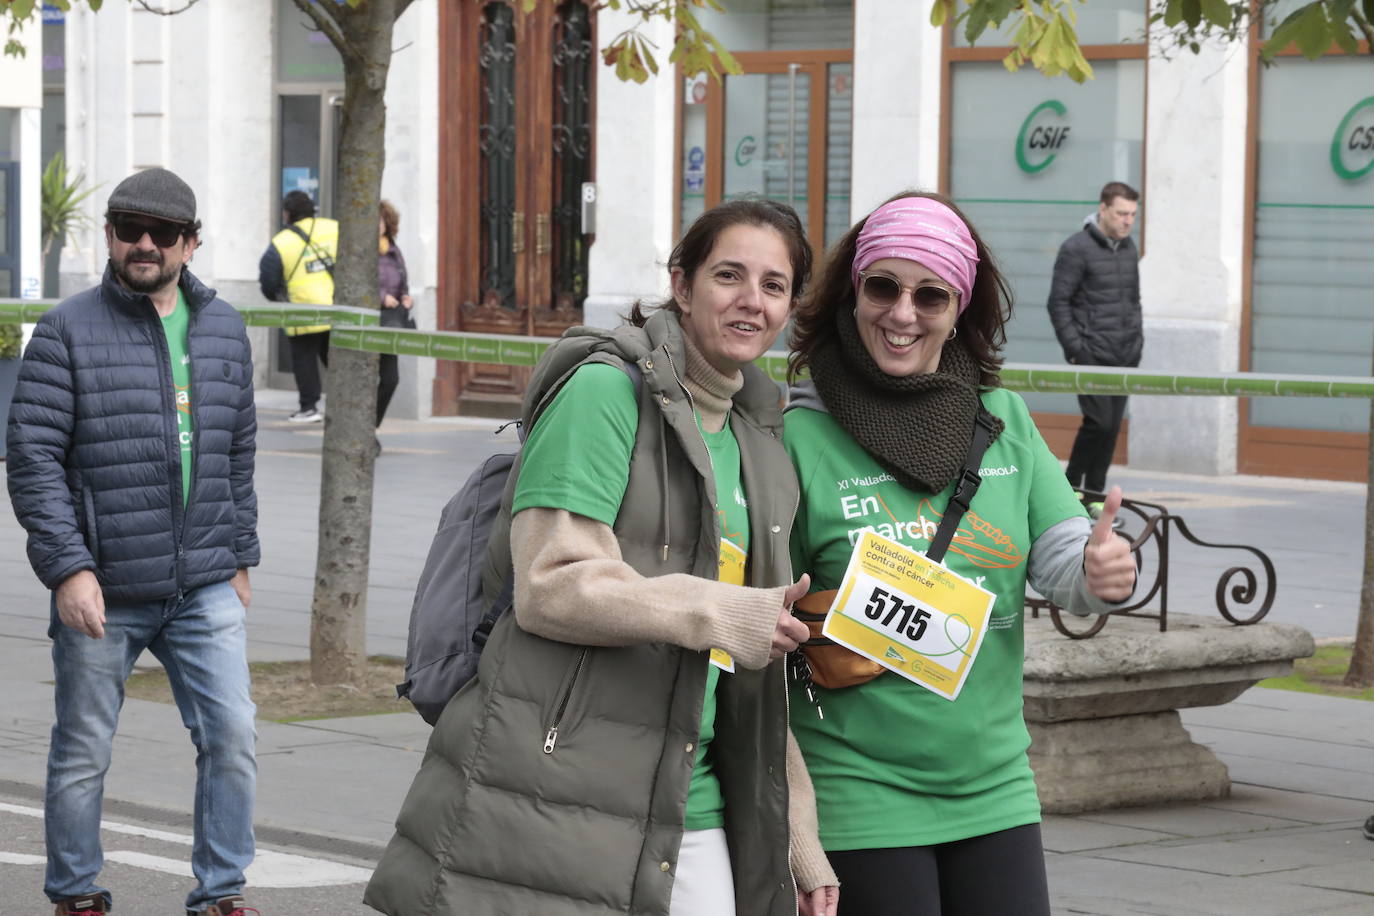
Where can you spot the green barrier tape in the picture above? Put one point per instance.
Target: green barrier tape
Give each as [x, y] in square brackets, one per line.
[356, 329]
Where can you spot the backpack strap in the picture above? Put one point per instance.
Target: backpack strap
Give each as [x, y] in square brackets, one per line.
[319, 255]
[984, 429]
[505, 597]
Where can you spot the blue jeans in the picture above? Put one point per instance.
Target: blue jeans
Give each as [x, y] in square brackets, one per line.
[202, 643]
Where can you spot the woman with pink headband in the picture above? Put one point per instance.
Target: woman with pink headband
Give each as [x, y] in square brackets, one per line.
[917, 747]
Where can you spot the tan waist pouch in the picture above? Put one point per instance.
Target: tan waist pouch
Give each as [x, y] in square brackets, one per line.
[832, 665]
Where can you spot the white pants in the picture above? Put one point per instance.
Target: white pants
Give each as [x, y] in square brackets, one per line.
[704, 884]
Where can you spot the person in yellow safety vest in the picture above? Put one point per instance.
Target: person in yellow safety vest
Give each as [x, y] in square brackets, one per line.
[298, 266]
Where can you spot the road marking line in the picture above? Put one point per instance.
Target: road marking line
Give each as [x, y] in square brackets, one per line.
[151, 862]
[269, 868]
[19, 858]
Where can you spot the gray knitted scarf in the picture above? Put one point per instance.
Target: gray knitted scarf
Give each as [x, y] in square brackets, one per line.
[917, 427]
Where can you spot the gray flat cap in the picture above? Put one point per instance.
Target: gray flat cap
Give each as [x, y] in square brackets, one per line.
[155, 192]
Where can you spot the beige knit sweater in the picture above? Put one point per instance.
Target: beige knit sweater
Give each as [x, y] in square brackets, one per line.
[572, 585]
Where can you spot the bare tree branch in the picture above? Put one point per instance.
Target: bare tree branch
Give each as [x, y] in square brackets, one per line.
[1364, 25]
[161, 12]
[323, 17]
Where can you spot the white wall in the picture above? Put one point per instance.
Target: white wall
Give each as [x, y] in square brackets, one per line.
[21, 78]
[411, 182]
[1191, 273]
[21, 89]
[191, 93]
[28, 140]
[634, 176]
[896, 101]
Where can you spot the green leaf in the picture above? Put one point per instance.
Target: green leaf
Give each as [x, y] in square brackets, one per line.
[977, 21]
[1314, 32]
[1284, 33]
[94, 5]
[1192, 12]
[1217, 12]
[1343, 38]
[727, 60]
[939, 12]
[1173, 13]
[1369, 10]
[20, 9]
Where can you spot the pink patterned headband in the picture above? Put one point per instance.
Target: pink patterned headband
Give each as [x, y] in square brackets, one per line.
[924, 230]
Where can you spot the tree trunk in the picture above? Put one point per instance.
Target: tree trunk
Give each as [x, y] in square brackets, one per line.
[1361, 673]
[338, 650]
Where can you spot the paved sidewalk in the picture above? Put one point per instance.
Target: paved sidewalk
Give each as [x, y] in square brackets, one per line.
[1288, 841]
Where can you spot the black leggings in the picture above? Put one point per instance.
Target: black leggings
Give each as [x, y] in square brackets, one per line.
[305, 350]
[1000, 874]
[388, 377]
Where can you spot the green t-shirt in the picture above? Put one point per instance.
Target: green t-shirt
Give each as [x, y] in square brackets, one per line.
[175, 327]
[893, 763]
[577, 458]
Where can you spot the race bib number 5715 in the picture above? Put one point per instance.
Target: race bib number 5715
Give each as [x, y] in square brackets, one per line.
[909, 614]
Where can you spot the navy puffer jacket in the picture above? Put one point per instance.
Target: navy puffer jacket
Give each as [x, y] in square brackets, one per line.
[1095, 299]
[93, 456]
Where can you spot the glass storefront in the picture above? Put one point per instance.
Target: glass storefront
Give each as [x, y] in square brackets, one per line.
[784, 123]
[1310, 309]
[1027, 159]
[304, 53]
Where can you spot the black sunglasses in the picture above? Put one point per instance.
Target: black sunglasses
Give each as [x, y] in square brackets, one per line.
[929, 299]
[130, 229]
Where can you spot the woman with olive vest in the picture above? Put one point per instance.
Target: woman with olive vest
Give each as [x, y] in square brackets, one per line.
[624, 745]
[299, 267]
[926, 799]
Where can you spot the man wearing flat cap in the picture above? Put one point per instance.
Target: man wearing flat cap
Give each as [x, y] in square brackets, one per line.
[131, 440]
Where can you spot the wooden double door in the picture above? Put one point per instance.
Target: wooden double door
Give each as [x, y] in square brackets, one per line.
[516, 147]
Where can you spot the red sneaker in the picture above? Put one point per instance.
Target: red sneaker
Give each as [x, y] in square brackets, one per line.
[80, 906]
[230, 906]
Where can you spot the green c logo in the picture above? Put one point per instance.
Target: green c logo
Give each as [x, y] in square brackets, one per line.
[1040, 138]
[1362, 138]
[744, 151]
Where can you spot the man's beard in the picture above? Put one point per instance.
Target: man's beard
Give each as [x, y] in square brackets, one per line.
[142, 283]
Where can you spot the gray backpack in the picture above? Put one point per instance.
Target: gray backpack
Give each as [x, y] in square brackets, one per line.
[452, 614]
[447, 624]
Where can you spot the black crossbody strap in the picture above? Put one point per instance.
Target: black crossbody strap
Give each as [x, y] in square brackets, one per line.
[984, 428]
[319, 255]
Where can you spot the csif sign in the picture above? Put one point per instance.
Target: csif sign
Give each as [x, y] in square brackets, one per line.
[1042, 135]
[1352, 148]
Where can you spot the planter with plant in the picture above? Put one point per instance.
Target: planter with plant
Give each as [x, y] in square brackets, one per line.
[62, 199]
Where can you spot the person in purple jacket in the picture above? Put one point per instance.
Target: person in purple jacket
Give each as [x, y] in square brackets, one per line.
[396, 302]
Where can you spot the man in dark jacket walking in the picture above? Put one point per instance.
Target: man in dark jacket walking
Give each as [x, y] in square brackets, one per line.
[1095, 308]
[131, 442]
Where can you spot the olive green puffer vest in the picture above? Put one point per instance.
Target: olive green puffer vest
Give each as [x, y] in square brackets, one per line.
[500, 823]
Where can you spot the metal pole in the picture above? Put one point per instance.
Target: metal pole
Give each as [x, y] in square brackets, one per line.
[792, 133]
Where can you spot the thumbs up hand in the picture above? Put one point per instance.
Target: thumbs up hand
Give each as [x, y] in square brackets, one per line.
[1108, 565]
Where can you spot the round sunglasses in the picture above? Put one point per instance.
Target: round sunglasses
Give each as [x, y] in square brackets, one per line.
[130, 230]
[930, 300]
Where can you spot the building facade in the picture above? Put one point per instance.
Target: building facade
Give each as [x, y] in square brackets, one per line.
[538, 191]
[21, 163]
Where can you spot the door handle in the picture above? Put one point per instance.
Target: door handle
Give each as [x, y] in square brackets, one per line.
[517, 233]
[541, 234]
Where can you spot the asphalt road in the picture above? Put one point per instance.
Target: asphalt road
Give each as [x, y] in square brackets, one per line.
[148, 868]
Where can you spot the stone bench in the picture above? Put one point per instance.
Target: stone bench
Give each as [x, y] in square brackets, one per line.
[1103, 712]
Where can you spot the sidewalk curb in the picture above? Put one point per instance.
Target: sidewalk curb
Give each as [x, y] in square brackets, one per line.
[364, 852]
